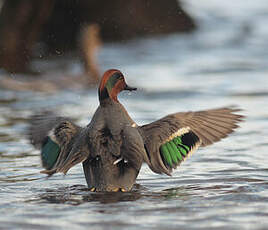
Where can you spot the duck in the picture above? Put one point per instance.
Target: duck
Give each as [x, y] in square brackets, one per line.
[112, 147]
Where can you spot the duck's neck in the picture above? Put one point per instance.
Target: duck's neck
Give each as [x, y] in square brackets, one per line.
[104, 96]
[108, 101]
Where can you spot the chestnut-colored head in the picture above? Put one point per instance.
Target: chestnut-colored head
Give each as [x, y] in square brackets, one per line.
[112, 83]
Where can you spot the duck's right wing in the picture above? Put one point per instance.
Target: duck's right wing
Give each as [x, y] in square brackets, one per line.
[55, 136]
[170, 140]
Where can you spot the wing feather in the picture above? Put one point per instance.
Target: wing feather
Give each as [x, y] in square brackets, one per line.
[204, 128]
[56, 137]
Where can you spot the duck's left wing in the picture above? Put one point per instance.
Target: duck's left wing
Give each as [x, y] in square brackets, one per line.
[170, 140]
[55, 136]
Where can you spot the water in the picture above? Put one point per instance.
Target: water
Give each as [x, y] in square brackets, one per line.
[223, 186]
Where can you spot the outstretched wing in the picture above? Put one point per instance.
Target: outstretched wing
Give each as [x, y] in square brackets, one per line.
[170, 140]
[55, 136]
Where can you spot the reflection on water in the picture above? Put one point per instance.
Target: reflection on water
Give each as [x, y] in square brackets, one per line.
[220, 187]
[79, 194]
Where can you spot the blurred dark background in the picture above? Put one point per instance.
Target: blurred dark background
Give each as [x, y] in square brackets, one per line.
[30, 28]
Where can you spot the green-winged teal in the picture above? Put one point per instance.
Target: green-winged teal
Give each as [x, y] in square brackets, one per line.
[113, 147]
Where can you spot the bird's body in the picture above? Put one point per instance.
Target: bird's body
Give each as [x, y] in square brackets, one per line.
[113, 147]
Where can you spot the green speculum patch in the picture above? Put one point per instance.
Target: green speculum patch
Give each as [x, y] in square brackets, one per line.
[174, 151]
[49, 153]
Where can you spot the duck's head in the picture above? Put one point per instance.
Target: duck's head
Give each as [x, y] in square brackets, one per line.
[112, 83]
